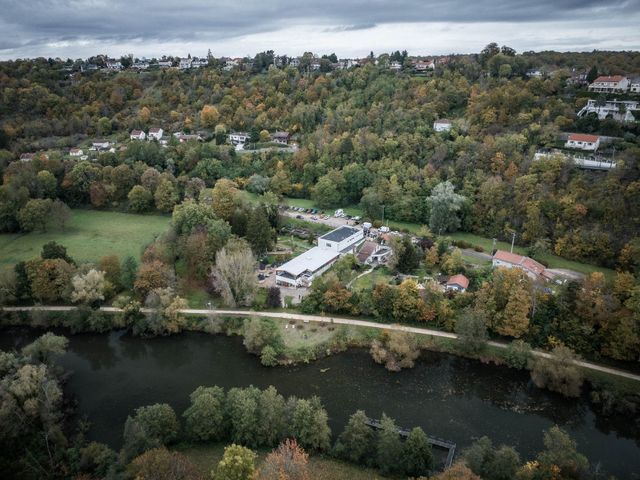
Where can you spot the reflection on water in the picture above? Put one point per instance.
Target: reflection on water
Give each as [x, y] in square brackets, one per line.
[450, 397]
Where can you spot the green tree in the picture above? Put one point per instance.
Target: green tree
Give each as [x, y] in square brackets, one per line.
[45, 347]
[238, 463]
[561, 451]
[159, 421]
[389, 447]
[309, 424]
[472, 331]
[417, 459]
[51, 250]
[558, 373]
[140, 199]
[88, 287]
[166, 196]
[35, 214]
[492, 463]
[243, 413]
[260, 332]
[445, 206]
[204, 419]
[356, 443]
[129, 272]
[259, 231]
[272, 420]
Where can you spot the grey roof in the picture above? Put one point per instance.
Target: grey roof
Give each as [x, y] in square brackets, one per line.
[339, 234]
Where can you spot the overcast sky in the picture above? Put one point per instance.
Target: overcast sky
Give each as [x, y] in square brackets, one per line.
[81, 28]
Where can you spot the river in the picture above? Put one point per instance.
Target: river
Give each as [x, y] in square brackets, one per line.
[449, 397]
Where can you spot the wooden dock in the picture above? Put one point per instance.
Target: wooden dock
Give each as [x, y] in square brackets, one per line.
[433, 441]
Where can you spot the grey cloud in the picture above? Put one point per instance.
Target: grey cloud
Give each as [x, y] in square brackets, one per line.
[41, 22]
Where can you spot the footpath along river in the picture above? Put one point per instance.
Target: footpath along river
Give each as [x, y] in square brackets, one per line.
[449, 397]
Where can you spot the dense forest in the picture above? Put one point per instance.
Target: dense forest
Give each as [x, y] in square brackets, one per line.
[365, 137]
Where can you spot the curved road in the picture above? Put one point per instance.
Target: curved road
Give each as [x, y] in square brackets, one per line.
[339, 321]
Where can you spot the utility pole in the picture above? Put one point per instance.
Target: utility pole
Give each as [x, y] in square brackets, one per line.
[383, 214]
[513, 239]
[493, 245]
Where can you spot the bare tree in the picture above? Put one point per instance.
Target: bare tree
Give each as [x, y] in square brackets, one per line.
[234, 274]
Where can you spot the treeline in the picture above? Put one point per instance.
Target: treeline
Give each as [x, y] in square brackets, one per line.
[365, 138]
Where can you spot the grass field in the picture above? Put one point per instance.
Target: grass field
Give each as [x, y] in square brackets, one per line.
[206, 458]
[89, 235]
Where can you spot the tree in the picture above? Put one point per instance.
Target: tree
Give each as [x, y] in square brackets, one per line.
[518, 354]
[272, 421]
[51, 250]
[59, 214]
[110, 265]
[405, 257]
[287, 462]
[260, 332]
[140, 199]
[151, 275]
[444, 205]
[35, 214]
[492, 463]
[45, 347]
[166, 196]
[417, 459]
[389, 447]
[396, 350]
[561, 452]
[558, 373]
[161, 463]
[88, 288]
[356, 443]
[243, 413]
[209, 116]
[204, 419]
[458, 471]
[592, 74]
[46, 184]
[238, 463]
[129, 272]
[259, 231]
[50, 279]
[273, 299]
[159, 422]
[472, 331]
[234, 274]
[309, 424]
[225, 198]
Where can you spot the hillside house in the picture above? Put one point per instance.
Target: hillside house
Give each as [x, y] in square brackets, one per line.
[582, 141]
[294, 62]
[199, 62]
[239, 137]
[610, 84]
[457, 283]
[75, 152]
[137, 135]
[185, 64]
[343, 239]
[155, 133]
[442, 125]
[395, 65]
[27, 157]
[280, 137]
[424, 65]
[164, 64]
[101, 145]
[620, 110]
[140, 65]
[114, 66]
[634, 85]
[506, 259]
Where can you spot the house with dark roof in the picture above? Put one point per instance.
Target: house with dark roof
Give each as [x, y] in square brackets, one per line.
[343, 239]
[280, 137]
[137, 135]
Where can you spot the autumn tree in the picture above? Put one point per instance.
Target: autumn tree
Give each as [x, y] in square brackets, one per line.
[234, 274]
[165, 196]
[162, 463]
[88, 287]
[287, 462]
[209, 116]
[558, 373]
[50, 279]
[150, 276]
[395, 350]
[237, 463]
[225, 198]
[140, 199]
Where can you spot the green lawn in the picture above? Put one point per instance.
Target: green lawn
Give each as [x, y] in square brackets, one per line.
[206, 458]
[89, 235]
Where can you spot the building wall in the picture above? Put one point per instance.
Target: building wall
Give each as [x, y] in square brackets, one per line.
[351, 241]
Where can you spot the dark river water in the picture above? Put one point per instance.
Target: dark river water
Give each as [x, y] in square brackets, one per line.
[449, 397]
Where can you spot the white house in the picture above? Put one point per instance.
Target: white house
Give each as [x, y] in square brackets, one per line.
[164, 64]
[199, 62]
[301, 270]
[395, 65]
[506, 259]
[442, 125]
[620, 110]
[315, 65]
[280, 137]
[424, 65]
[610, 84]
[457, 283]
[137, 135]
[100, 145]
[155, 133]
[75, 152]
[343, 239]
[581, 141]
[140, 65]
[27, 157]
[294, 62]
[185, 63]
[634, 85]
[114, 66]
[231, 63]
[239, 137]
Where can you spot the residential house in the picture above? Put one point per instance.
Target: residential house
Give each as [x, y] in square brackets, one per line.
[137, 135]
[140, 65]
[610, 84]
[183, 137]
[155, 133]
[457, 283]
[620, 110]
[395, 65]
[424, 65]
[506, 259]
[75, 152]
[303, 269]
[231, 64]
[199, 62]
[100, 145]
[88, 67]
[114, 66]
[534, 73]
[634, 85]
[442, 125]
[280, 137]
[239, 137]
[294, 62]
[372, 253]
[582, 141]
[315, 65]
[27, 157]
[164, 64]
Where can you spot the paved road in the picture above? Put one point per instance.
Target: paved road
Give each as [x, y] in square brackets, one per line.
[340, 321]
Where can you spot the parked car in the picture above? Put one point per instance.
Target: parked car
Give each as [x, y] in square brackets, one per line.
[300, 217]
[313, 217]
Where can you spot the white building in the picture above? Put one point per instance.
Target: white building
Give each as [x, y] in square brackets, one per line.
[634, 85]
[137, 135]
[114, 66]
[199, 62]
[164, 64]
[140, 65]
[442, 125]
[280, 137]
[506, 259]
[424, 65]
[457, 283]
[75, 152]
[581, 141]
[185, 63]
[155, 133]
[301, 270]
[610, 84]
[395, 65]
[620, 110]
[100, 145]
[239, 137]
